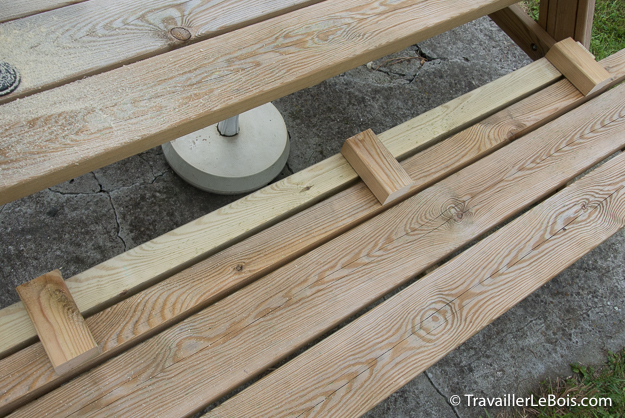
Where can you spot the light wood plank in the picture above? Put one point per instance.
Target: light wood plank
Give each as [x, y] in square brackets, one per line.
[151, 262]
[524, 31]
[60, 326]
[59, 134]
[376, 166]
[585, 18]
[69, 43]
[12, 9]
[184, 368]
[565, 20]
[242, 263]
[578, 66]
[360, 365]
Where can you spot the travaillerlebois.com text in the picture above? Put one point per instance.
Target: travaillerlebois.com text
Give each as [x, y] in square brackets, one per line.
[527, 401]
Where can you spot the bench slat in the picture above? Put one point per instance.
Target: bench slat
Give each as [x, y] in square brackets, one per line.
[62, 133]
[353, 370]
[69, 43]
[189, 365]
[12, 9]
[152, 261]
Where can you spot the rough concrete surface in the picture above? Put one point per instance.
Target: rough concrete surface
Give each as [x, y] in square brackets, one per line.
[576, 317]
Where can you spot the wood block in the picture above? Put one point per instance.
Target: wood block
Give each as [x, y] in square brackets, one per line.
[61, 328]
[578, 66]
[377, 167]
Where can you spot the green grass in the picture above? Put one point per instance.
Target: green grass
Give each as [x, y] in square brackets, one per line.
[607, 382]
[608, 29]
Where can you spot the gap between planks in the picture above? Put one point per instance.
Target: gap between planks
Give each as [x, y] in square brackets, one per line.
[110, 281]
[189, 365]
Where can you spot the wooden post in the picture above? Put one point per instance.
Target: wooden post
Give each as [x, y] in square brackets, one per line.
[567, 19]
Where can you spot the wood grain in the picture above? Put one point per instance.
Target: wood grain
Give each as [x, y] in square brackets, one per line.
[357, 367]
[376, 166]
[59, 134]
[185, 367]
[11, 9]
[63, 45]
[60, 326]
[524, 31]
[568, 18]
[565, 20]
[578, 66]
[585, 18]
[193, 289]
[543, 11]
[111, 281]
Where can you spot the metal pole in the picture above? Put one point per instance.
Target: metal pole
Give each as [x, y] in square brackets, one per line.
[229, 127]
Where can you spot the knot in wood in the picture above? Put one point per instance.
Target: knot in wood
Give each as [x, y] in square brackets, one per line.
[180, 33]
[239, 267]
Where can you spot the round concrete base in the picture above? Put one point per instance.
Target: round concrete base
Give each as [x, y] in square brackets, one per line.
[237, 164]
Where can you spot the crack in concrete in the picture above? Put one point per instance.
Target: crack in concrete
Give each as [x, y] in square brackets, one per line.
[440, 392]
[2, 208]
[119, 227]
[153, 180]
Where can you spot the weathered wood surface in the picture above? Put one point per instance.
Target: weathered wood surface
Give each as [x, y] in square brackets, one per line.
[376, 166]
[62, 133]
[187, 366]
[61, 328]
[578, 66]
[242, 263]
[524, 31]
[150, 262]
[585, 18]
[63, 45]
[13, 9]
[360, 365]
[567, 18]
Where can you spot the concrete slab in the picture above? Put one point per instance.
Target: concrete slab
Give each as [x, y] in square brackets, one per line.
[576, 317]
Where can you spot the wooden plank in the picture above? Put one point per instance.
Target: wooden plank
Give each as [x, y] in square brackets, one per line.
[543, 11]
[578, 66]
[111, 281]
[376, 166]
[60, 326]
[11, 9]
[583, 25]
[360, 365]
[69, 43]
[249, 260]
[568, 19]
[565, 20]
[184, 368]
[552, 15]
[61, 133]
[524, 31]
